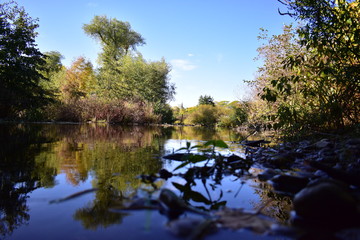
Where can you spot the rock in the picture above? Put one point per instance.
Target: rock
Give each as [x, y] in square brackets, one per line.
[289, 184]
[353, 141]
[184, 227]
[282, 160]
[267, 174]
[323, 143]
[326, 204]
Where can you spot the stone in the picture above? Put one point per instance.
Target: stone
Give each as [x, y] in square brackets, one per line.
[323, 143]
[326, 204]
[267, 174]
[289, 184]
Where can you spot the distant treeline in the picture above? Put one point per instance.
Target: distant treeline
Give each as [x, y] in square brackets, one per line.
[36, 86]
[309, 79]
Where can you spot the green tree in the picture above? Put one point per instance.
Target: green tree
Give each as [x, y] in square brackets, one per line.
[273, 52]
[206, 100]
[329, 75]
[20, 59]
[204, 114]
[125, 74]
[52, 63]
[116, 37]
[53, 71]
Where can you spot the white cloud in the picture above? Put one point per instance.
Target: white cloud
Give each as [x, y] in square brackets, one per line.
[182, 64]
[190, 55]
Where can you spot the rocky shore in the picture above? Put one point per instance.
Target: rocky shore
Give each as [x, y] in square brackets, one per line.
[323, 179]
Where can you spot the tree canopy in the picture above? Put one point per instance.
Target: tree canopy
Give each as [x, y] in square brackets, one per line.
[125, 74]
[206, 100]
[20, 59]
[327, 73]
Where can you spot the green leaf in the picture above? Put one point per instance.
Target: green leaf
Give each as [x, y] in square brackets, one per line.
[216, 143]
[197, 158]
[182, 188]
[198, 197]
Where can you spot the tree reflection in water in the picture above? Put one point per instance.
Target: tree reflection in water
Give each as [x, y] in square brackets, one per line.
[20, 174]
[112, 157]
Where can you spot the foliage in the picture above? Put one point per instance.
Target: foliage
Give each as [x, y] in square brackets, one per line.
[206, 100]
[79, 81]
[222, 114]
[232, 114]
[125, 74]
[116, 37]
[52, 63]
[20, 90]
[204, 115]
[94, 109]
[264, 110]
[135, 78]
[326, 76]
[165, 111]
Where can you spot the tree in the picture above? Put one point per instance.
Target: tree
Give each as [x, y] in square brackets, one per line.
[206, 100]
[288, 96]
[116, 37]
[20, 59]
[204, 115]
[52, 63]
[124, 74]
[79, 80]
[329, 73]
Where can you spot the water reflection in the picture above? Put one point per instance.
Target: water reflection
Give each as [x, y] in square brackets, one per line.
[20, 173]
[111, 158]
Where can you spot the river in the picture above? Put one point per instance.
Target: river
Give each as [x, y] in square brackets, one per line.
[42, 166]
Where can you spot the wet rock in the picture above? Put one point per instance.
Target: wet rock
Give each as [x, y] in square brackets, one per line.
[319, 173]
[326, 152]
[282, 160]
[256, 143]
[353, 141]
[331, 160]
[324, 143]
[234, 158]
[326, 204]
[288, 184]
[267, 174]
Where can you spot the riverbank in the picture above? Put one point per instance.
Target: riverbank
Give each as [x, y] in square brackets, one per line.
[322, 177]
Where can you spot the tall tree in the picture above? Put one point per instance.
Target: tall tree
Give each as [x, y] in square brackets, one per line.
[125, 74]
[330, 74]
[116, 37]
[19, 61]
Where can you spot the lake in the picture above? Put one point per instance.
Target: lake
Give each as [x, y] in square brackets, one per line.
[106, 166]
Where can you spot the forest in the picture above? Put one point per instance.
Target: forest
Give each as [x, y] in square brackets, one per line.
[309, 80]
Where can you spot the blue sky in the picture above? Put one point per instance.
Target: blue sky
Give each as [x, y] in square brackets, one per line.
[210, 44]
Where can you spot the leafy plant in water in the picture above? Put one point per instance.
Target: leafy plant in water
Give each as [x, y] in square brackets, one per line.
[189, 157]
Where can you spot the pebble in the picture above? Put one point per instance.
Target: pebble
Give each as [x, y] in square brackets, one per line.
[326, 204]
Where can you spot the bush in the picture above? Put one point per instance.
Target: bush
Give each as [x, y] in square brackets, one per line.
[204, 115]
[94, 109]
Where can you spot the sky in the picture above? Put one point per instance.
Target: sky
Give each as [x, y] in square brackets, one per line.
[210, 44]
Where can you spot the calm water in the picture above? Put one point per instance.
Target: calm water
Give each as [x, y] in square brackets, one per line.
[40, 163]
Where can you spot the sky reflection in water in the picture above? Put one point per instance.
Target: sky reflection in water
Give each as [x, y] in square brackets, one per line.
[55, 161]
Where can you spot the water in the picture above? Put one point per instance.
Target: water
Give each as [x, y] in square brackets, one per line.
[40, 163]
